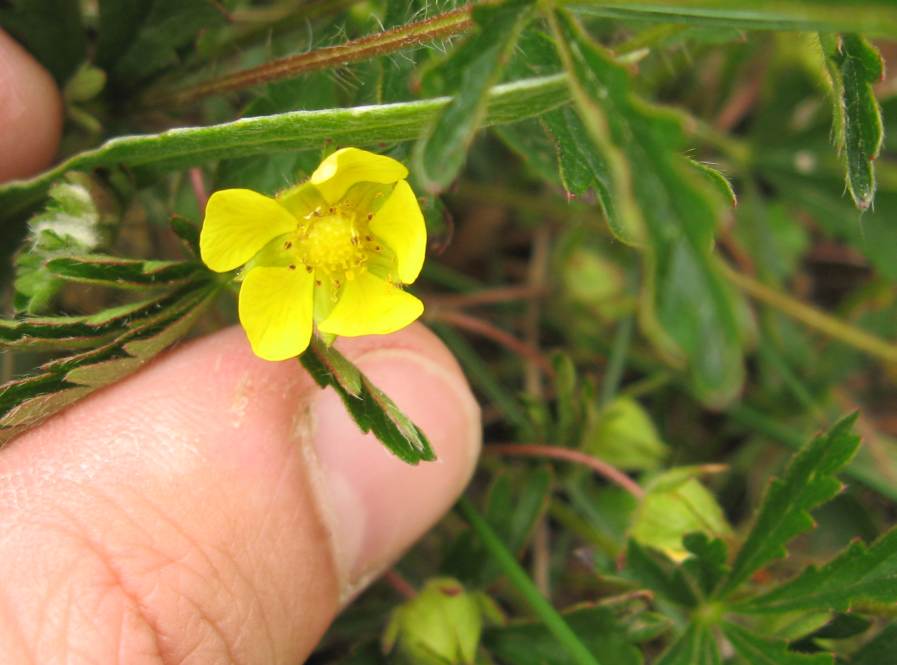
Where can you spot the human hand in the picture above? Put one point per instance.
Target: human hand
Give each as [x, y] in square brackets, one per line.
[213, 507]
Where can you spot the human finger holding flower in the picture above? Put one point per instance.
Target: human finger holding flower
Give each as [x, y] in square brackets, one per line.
[331, 253]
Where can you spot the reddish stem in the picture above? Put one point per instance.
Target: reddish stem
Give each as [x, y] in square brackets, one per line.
[496, 334]
[611, 473]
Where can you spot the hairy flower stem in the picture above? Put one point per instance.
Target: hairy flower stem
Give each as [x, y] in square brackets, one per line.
[389, 41]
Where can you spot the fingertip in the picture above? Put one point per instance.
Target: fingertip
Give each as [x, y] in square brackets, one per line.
[30, 112]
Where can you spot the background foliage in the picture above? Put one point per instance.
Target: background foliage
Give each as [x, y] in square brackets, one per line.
[663, 247]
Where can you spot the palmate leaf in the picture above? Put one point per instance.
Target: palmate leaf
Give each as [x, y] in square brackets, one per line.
[758, 650]
[860, 574]
[854, 65]
[369, 406]
[696, 646]
[469, 73]
[136, 334]
[656, 199]
[808, 482]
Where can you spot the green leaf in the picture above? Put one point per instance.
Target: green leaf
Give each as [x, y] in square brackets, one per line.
[878, 651]
[860, 574]
[758, 650]
[50, 29]
[657, 573]
[854, 65]
[27, 401]
[475, 66]
[697, 646]
[123, 273]
[707, 561]
[676, 504]
[623, 434]
[530, 643]
[808, 482]
[78, 332]
[298, 130]
[870, 16]
[371, 409]
[669, 210]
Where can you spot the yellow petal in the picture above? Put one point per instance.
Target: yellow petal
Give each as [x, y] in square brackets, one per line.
[301, 199]
[371, 306]
[238, 223]
[348, 166]
[400, 224]
[276, 311]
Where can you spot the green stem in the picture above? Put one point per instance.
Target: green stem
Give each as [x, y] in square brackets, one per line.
[525, 586]
[370, 46]
[814, 318]
[616, 362]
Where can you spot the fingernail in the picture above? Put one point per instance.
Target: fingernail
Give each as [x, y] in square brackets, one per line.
[374, 504]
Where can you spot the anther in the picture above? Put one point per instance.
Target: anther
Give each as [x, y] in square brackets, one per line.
[292, 266]
[287, 244]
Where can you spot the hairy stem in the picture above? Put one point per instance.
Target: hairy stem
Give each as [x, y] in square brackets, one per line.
[364, 48]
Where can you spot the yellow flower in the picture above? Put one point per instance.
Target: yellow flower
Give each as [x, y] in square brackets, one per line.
[330, 253]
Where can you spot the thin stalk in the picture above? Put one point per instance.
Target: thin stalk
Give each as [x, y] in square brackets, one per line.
[496, 296]
[364, 48]
[489, 331]
[600, 467]
[616, 362]
[814, 318]
[517, 576]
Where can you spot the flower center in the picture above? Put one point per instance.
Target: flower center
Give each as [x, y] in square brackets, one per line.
[332, 243]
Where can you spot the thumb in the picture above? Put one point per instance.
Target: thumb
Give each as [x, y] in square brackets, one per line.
[218, 508]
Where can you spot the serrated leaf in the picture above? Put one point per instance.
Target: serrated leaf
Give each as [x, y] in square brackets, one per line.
[696, 646]
[472, 69]
[758, 650]
[706, 563]
[27, 401]
[658, 574]
[284, 132]
[529, 643]
[854, 65]
[78, 332]
[671, 212]
[808, 482]
[121, 273]
[859, 574]
[369, 406]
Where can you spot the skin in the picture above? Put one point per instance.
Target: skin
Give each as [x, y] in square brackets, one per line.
[213, 507]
